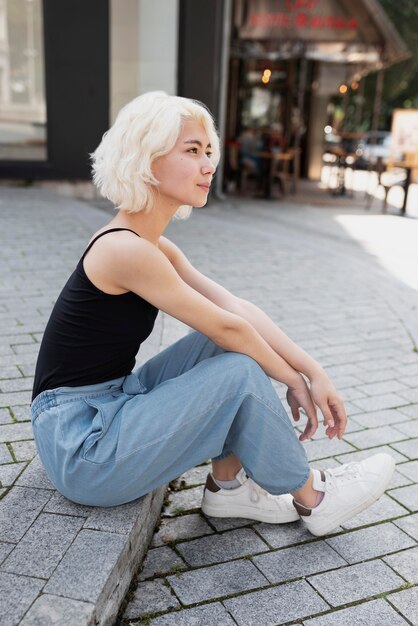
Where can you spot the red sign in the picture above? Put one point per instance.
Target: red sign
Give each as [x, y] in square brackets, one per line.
[302, 20]
[310, 20]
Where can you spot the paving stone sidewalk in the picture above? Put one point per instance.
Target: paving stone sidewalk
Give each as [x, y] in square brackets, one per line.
[346, 303]
[344, 285]
[60, 563]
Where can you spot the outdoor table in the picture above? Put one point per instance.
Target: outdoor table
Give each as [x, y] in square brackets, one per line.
[269, 159]
[341, 163]
[408, 167]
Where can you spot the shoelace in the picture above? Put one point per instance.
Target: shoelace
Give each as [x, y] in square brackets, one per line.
[342, 474]
[256, 492]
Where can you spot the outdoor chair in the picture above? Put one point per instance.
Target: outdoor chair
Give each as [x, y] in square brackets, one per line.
[395, 177]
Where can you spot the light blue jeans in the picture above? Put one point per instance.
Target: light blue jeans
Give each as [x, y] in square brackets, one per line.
[113, 442]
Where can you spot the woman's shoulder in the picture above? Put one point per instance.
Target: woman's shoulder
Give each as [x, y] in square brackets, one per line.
[167, 247]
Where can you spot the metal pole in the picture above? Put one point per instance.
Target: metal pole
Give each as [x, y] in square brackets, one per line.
[359, 105]
[301, 96]
[223, 92]
[377, 104]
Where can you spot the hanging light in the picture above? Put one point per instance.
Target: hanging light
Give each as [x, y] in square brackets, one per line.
[266, 76]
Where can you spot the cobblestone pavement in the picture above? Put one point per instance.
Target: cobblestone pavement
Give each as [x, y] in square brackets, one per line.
[343, 284]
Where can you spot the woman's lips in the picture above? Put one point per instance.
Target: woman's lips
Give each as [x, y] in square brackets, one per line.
[205, 187]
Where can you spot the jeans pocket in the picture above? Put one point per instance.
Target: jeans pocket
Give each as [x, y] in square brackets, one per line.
[101, 442]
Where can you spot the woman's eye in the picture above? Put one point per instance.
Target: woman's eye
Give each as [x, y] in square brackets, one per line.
[209, 154]
[194, 150]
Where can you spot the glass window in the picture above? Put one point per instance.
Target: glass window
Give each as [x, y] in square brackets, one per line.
[22, 91]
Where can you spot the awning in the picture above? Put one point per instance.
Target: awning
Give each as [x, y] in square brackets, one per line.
[355, 32]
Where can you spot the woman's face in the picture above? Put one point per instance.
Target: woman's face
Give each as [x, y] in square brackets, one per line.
[185, 173]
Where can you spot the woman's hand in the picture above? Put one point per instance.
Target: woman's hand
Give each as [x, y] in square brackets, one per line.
[298, 396]
[330, 404]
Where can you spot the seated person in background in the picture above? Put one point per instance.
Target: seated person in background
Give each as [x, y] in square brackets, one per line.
[250, 143]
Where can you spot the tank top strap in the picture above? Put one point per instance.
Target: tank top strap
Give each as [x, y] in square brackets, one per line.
[111, 230]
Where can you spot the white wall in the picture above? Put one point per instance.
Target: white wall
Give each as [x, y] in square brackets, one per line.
[143, 49]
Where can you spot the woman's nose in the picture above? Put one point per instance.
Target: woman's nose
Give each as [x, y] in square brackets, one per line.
[208, 166]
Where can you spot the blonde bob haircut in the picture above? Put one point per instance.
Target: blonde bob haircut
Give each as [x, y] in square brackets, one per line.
[145, 129]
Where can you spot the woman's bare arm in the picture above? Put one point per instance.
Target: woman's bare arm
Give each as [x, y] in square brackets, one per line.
[322, 390]
[137, 265]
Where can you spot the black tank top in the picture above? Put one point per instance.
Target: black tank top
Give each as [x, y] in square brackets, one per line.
[91, 336]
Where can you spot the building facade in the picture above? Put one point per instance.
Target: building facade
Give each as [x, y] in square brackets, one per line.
[68, 66]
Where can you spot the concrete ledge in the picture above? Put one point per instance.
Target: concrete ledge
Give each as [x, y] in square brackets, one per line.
[73, 595]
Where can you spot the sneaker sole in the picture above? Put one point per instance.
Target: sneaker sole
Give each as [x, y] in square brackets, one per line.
[285, 518]
[338, 520]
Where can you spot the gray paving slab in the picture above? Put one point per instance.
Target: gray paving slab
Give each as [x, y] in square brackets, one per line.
[19, 509]
[406, 602]
[385, 401]
[161, 561]
[410, 470]
[213, 614]
[49, 610]
[16, 595]
[298, 561]
[20, 413]
[373, 613]
[324, 448]
[23, 450]
[184, 500]
[5, 415]
[5, 549]
[10, 472]
[405, 563]
[59, 504]
[16, 431]
[370, 542]
[410, 411]
[183, 527]
[194, 476]
[86, 566]
[356, 582]
[409, 428]
[276, 605]
[217, 581]
[408, 448]
[150, 597]
[35, 476]
[5, 456]
[407, 496]
[42, 547]
[15, 397]
[16, 384]
[365, 454]
[409, 525]
[380, 388]
[122, 519]
[282, 535]
[215, 548]
[373, 437]
[410, 394]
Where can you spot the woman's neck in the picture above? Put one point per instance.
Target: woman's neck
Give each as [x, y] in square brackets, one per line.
[149, 225]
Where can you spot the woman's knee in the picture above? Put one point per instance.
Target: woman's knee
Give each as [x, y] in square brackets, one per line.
[242, 364]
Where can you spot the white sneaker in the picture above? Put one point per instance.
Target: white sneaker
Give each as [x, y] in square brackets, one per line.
[249, 501]
[348, 490]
